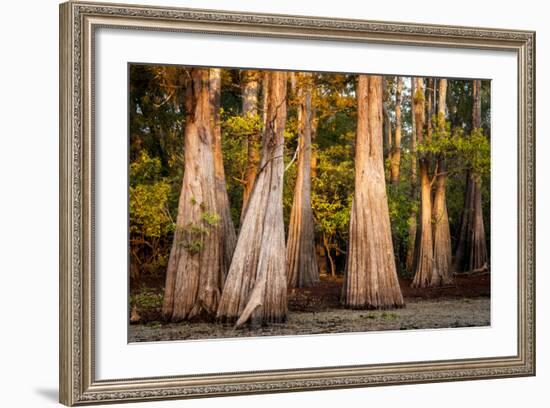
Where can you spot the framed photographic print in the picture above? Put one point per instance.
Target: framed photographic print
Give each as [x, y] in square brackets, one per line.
[260, 203]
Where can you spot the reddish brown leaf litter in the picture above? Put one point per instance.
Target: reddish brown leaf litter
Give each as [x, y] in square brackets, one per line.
[325, 295]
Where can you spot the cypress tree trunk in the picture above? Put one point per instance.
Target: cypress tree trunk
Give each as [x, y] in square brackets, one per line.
[250, 110]
[441, 229]
[471, 252]
[395, 157]
[228, 239]
[371, 278]
[425, 274]
[411, 240]
[424, 265]
[256, 289]
[301, 260]
[193, 277]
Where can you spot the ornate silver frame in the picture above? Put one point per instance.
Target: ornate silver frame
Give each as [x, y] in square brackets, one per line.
[77, 380]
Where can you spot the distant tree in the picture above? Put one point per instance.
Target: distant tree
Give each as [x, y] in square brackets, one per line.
[228, 239]
[412, 221]
[471, 252]
[250, 90]
[370, 278]
[255, 288]
[301, 258]
[395, 155]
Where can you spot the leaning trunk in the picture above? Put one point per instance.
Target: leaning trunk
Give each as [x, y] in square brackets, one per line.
[301, 260]
[255, 288]
[193, 277]
[371, 278]
[228, 239]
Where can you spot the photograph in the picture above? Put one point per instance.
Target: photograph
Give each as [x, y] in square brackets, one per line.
[283, 203]
[326, 200]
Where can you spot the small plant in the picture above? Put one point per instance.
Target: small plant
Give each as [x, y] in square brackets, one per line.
[212, 219]
[192, 235]
[146, 299]
[389, 315]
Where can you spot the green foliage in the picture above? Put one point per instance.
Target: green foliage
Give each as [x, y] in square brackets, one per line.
[332, 194]
[473, 150]
[149, 215]
[150, 220]
[157, 123]
[191, 236]
[210, 218]
[237, 131]
[147, 299]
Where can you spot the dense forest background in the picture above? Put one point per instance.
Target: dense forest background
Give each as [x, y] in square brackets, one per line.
[157, 121]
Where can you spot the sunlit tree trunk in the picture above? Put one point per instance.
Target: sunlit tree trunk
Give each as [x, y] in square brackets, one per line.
[301, 260]
[250, 88]
[193, 278]
[395, 157]
[471, 252]
[256, 288]
[441, 229]
[411, 237]
[371, 278]
[424, 267]
[228, 239]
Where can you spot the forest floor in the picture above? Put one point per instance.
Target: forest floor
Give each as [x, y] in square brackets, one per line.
[317, 310]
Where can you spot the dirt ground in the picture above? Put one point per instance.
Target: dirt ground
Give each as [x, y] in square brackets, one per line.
[317, 310]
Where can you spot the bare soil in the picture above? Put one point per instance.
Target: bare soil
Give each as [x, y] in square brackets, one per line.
[317, 310]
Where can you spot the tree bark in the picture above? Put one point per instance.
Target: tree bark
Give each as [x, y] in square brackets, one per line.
[424, 265]
[256, 288]
[193, 278]
[425, 274]
[471, 252]
[251, 80]
[371, 278]
[228, 239]
[301, 260]
[441, 229]
[411, 262]
[395, 157]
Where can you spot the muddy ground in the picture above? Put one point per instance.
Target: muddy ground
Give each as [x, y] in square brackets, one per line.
[317, 310]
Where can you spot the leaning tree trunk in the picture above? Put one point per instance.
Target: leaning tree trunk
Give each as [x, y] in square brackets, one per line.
[193, 277]
[424, 266]
[411, 237]
[371, 278]
[250, 111]
[228, 239]
[395, 157]
[302, 268]
[441, 230]
[471, 252]
[255, 288]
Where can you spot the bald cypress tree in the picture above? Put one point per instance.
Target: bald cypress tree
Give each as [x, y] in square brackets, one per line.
[302, 268]
[194, 276]
[256, 285]
[370, 277]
